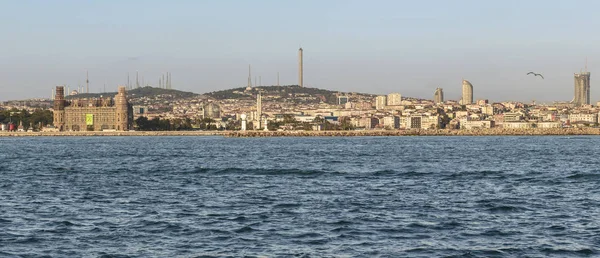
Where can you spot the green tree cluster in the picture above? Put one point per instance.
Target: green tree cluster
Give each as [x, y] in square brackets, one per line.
[45, 117]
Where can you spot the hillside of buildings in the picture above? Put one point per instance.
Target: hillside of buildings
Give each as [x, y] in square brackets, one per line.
[291, 93]
[143, 92]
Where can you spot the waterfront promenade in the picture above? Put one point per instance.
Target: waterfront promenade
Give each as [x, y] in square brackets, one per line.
[410, 132]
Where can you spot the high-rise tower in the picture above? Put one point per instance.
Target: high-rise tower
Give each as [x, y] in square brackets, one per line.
[438, 96]
[467, 93]
[300, 69]
[582, 88]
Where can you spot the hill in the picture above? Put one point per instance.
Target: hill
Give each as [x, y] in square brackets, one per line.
[282, 91]
[144, 92]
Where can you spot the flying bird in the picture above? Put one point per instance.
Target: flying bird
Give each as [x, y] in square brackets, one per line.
[536, 74]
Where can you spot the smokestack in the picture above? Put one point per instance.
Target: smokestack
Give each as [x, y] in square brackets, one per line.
[137, 80]
[277, 78]
[300, 69]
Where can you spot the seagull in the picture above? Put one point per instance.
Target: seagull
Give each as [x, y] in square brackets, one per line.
[536, 74]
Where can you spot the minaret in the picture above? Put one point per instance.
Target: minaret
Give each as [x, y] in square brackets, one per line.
[87, 81]
[300, 69]
[259, 109]
[277, 78]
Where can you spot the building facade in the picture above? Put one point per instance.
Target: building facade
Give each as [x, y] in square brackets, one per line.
[394, 99]
[211, 110]
[381, 102]
[438, 96]
[92, 114]
[467, 93]
[582, 89]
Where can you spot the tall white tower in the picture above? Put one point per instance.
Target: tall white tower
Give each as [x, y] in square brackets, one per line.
[300, 69]
[243, 117]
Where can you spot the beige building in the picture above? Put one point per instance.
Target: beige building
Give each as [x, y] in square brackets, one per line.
[103, 114]
[391, 122]
[476, 124]
[517, 125]
[394, 99]
[211, 110]
[589, 118]
[423, 122]
[549, 125]
[381, 102]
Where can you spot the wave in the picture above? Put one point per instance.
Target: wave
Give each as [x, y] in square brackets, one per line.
[506, 209]
[301, 172]
[586, 176]
[257, 171]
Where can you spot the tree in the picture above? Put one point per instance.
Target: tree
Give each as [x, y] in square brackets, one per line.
[346, 123]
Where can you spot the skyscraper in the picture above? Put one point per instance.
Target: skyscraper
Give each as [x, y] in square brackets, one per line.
[582, 89]
[467, 93]
[438, 96]
[300, 69]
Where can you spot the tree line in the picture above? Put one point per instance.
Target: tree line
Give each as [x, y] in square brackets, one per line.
[35, 118]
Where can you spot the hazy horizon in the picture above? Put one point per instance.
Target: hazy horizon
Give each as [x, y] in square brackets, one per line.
[376, 47]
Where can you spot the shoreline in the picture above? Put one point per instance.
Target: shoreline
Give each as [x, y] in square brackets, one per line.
[119, 133]
[241, 134]
[423, 132]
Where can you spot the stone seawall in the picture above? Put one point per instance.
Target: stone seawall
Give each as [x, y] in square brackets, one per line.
[416, 132]
[412, 132]
[128, 133]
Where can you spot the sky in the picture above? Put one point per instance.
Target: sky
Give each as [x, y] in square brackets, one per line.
[379, 46]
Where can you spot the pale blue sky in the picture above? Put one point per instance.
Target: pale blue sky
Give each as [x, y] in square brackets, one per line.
[378, 47]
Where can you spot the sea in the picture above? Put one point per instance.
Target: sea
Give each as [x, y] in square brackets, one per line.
[300, 197]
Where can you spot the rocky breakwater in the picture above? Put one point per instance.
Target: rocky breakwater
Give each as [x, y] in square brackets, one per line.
[116, 133]
[421, 132]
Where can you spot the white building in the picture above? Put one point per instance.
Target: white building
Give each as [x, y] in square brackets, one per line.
[589, 118]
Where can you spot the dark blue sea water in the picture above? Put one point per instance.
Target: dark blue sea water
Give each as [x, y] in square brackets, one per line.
[300, 197]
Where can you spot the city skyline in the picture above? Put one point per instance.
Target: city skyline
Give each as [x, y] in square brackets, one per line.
[352, 46]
